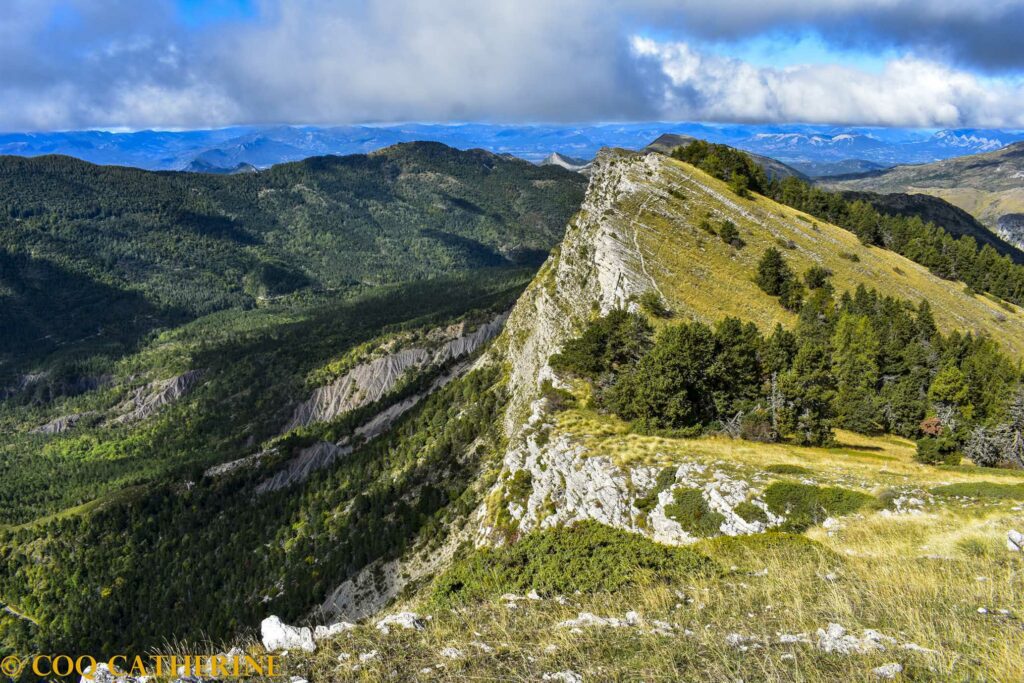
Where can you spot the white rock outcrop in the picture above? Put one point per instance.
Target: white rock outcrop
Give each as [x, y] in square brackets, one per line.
[406, 620]
[368, 382]
[277, 636]
[147, 400]
[1014, 541]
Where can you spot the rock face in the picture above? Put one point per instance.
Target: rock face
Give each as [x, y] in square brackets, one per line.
[601, 266]
[63, 423]
[368, 382]
[1011, 228]
[147, 400]
[309, 460]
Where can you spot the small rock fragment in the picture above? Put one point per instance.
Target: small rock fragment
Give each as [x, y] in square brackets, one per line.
[888, 671]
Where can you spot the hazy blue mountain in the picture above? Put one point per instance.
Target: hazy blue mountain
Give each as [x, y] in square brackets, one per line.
[264, 146]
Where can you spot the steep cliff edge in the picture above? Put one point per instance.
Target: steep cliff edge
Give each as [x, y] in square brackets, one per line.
[643, 228]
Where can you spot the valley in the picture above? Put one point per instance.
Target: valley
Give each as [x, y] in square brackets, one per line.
[352, 446]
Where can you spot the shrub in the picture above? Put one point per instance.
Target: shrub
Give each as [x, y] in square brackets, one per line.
[804, 505]
[647, 502]
[783, 468]
[691, 511]
[750, 512]
[817, 277]
[730, 235]
[937, 451]
[652, 303]
[982, 489]
[587, 557]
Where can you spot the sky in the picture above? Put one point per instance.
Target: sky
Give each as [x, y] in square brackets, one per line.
[180, 64]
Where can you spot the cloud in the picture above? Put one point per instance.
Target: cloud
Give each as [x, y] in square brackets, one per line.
[986, 34]
[122, 63]
[907, 92]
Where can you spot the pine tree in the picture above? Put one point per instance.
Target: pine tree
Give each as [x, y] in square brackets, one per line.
[772, 272]
[855, 368]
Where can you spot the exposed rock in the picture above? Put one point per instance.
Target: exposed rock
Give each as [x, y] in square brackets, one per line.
[836, 639]
[309, 460]
[277, 636]
[1014, 541]
[452, 653]
[588, 619]
[337, 628]
[368, 382]
[888, 671]
[406, 620]
[63, 423]
[567, 676]
[147, 400]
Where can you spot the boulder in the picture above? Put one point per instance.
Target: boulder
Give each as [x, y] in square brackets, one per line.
[1014, 541]
[277, 635]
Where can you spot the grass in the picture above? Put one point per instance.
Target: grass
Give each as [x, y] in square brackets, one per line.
[914, 579]
[708, 280]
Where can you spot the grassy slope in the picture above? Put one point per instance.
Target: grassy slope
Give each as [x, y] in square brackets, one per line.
[703, 277]
[985, 185]
[919, 578]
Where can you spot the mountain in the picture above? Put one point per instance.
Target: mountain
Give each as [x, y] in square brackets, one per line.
[203, 166]
[824, 169]
[634, 462]
[953, 220]
[665, 144]
[566, 162]
[988, 185]
[268, 145]
[142, 250]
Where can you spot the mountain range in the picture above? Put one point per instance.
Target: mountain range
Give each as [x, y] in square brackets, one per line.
[814, 149]
[431, 414]
[989, 186]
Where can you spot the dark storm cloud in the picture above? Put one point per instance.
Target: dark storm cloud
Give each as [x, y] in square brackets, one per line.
[987, 35]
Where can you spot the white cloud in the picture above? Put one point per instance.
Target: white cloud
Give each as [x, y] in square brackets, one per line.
[128, 64]
[907, 92]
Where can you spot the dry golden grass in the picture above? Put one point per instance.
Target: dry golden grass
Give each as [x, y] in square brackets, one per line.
[918, 578]
[702, 277]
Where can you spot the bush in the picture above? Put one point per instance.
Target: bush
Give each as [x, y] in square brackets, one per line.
[783, 468]
[817, 277]
[982, 489]
[587, 557]
[691, 511]
[730, 235]
[937, 451]
[804, 505]
[652, 304]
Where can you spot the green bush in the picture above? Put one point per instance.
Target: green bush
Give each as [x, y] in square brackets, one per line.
[982, 489]
[804, 505]
[783, 468]
[937, 451]
[691, 511]
[750, 512]
[587, 557]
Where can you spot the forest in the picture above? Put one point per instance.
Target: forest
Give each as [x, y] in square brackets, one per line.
[860, 361]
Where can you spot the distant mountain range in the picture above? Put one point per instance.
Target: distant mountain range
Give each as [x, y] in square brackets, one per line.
[812, 149]
[989, 186]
